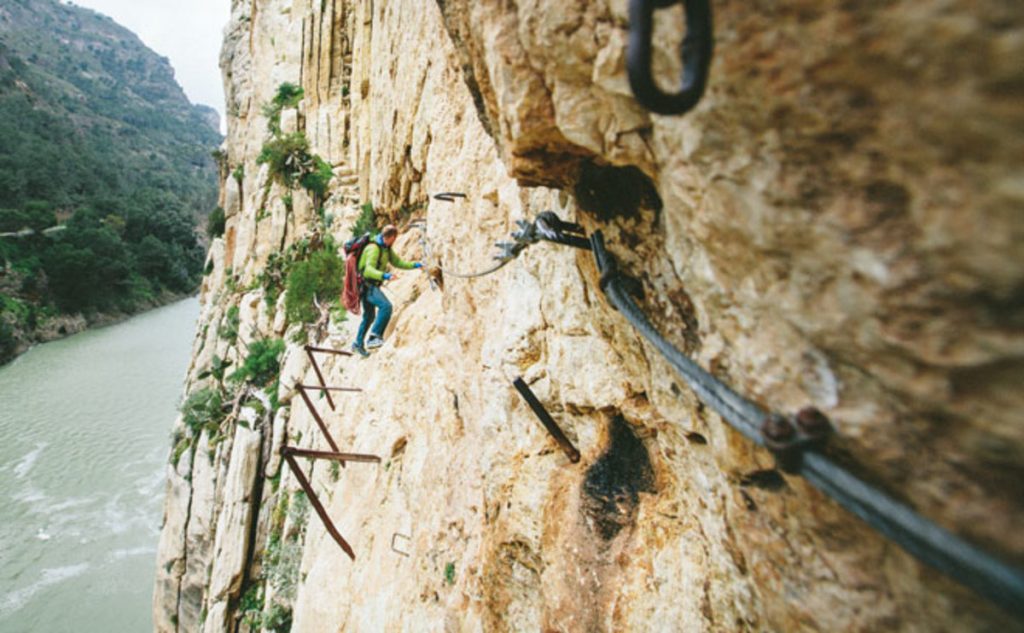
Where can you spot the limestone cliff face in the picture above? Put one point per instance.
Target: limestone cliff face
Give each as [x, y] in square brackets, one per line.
[837, 224]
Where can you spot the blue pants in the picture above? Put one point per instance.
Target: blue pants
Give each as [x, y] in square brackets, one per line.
[373, 302]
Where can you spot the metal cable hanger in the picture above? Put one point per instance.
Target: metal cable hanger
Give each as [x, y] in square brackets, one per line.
[546, 226]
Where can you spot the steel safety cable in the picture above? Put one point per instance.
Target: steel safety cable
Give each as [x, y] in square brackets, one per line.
[924, 539]
[797, 453]
[546, 226]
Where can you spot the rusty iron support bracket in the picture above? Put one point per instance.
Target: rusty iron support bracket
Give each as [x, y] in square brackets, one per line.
[334, 457]
[324, 350]
[546, 419]
[316, 367]
[394, 549]
[315, 501]
[316, 416]
[319, 388]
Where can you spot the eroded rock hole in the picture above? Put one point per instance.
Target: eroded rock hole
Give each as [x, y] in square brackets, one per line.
[609, 192]
[764, 479]
[398, 448]
[612, 487]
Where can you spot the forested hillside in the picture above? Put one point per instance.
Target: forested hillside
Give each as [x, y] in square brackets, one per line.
[96, 137]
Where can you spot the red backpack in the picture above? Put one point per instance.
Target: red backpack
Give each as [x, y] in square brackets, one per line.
[356, 245]
[353, 288]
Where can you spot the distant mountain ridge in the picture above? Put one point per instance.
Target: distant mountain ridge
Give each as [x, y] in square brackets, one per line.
[96, 134]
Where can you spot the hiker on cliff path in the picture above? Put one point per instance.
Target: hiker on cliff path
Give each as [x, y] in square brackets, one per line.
[373, 266]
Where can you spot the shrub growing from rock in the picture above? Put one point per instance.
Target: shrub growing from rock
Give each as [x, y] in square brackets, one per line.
[320, 277]
[262, 364]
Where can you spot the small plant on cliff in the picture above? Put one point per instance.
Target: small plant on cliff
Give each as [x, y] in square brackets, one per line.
[449, 573]
[251, 606]
[278, 619]
[228, 329]
[217, 370]
[288, 96]
[262, 364]
[230, 281]
[286, 156]
[181, 444]
[202, 410]
[316, 179]
[275, 272]
[320, 278]
[220, 157]
[215, 223]
[291, 163]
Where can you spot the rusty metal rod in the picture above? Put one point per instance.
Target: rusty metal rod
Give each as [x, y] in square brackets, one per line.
[319, 376]
[316, 416]
[448, 196]
[325, 350]
[337, 457]
[546, 419]
[315, 501]
[319, 388]
[394, 549]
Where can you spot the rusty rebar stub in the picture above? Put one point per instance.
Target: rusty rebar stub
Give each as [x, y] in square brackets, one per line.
[789, 438]
[448, 196]
[778, 432]
[813, 423]
[545, 419]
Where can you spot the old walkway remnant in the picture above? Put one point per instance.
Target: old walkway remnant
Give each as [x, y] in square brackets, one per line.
[290, 454]
[546, 419]
[319, 376]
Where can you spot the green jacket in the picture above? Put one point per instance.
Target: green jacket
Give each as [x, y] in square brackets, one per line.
[374, 261]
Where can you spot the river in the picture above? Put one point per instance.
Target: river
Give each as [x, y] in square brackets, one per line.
[84, 437]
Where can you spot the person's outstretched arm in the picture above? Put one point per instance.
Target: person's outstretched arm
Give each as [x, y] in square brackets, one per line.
[398, 262]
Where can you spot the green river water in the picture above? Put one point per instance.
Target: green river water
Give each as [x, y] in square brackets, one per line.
[84, 437]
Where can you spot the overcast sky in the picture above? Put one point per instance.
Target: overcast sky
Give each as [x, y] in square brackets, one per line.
[188, 32]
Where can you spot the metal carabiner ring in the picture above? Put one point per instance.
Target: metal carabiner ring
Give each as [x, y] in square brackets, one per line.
[697, 47]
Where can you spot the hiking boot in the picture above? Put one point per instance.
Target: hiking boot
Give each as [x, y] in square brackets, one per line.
[359, 349]
[374, 342]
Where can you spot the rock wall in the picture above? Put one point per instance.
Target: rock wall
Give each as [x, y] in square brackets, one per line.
[835, 225]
